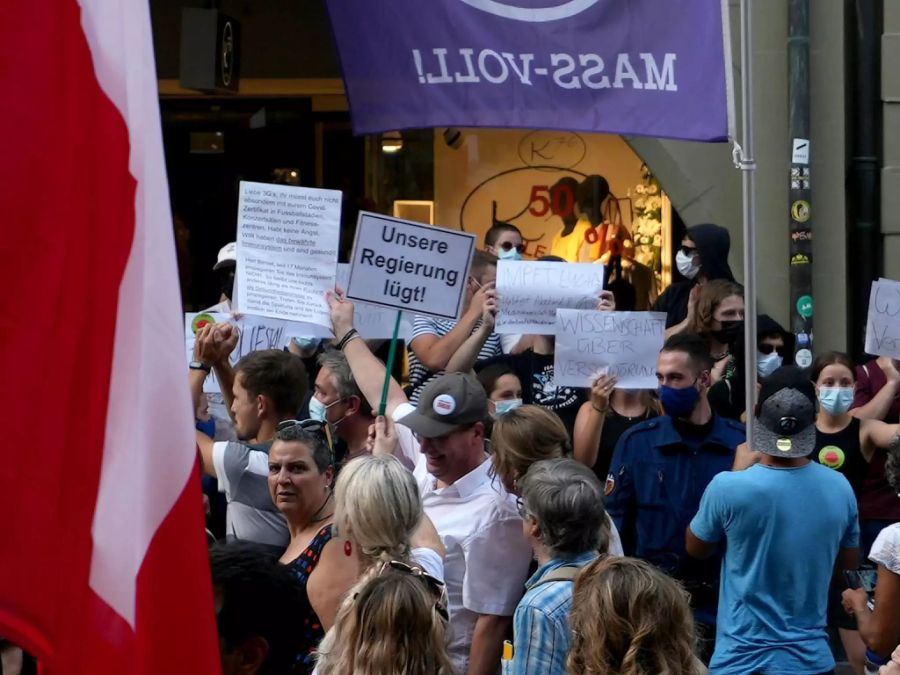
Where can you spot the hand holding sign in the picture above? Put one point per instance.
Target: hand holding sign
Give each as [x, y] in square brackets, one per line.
[601, 391]
[341, 313]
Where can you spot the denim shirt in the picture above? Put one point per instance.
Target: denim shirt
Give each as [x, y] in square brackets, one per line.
[541, 624]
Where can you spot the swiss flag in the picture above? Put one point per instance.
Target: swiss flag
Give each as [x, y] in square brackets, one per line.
[103, 564]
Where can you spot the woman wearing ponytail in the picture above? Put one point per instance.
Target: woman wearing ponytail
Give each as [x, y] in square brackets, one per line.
[378, 519]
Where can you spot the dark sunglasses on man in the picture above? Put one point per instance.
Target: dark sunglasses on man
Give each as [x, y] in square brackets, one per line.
[688, 250]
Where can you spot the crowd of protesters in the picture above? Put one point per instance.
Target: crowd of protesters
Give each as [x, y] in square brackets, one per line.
[489, 521]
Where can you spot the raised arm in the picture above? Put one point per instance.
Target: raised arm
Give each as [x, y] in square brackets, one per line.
[367, 369]
[465, 357]
[876, 434]
[590, 420]
[435, 352]
[880, 403]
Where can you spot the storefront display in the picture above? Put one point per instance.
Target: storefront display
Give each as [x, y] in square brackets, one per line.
[581, 197]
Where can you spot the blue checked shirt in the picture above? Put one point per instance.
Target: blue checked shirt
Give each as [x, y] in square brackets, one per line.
[541, 623]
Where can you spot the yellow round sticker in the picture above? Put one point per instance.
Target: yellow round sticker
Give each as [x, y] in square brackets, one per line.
[832, 457]
[784, 444]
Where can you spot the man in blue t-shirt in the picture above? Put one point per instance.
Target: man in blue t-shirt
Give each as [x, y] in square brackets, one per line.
[789, 524]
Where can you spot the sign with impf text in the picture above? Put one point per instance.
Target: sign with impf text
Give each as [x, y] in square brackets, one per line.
[883, 323]
[409, 266]
[287, 241]
[624, 344]
[531, 292]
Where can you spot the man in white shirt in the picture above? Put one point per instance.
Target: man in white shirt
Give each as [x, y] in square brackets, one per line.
[487, 553]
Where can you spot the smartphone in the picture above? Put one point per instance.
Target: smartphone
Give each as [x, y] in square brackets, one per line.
[861, 578]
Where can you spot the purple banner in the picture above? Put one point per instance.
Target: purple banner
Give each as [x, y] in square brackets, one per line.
[635, 67]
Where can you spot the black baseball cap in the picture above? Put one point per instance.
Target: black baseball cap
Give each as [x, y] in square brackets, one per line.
[785, 421]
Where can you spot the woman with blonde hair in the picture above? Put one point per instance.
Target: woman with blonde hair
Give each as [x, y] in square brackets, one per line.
[529, 434]
[629, 618]
[394, 623]
[378, 518]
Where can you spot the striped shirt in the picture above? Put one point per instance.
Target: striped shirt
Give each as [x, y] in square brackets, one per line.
[541, 624]
[419, 374]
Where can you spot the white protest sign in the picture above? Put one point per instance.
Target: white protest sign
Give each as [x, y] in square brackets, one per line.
[624, 344]
[883, 323]
[409, 266]
[287, 241]
[531, 291]
[374, 322]
[255, 334]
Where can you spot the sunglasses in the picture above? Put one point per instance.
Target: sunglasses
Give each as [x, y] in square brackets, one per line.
[506, 246]
[768, 349]
[312, 426]
[688, 250]
[436, 585]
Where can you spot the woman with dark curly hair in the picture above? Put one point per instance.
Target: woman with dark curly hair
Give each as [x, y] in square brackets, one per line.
[629, 618]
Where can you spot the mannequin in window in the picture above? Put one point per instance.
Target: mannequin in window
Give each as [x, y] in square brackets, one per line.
[583, 233]
[622, 268]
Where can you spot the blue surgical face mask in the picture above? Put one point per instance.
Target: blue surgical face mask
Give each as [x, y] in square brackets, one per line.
[511, 254]
[836, 400]
[306, 343]
[319, 411]
[679, 402]
[503, 407]
[766, 364]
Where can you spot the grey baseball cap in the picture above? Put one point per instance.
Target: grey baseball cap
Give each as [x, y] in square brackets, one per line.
[450, 402]
[785, 421]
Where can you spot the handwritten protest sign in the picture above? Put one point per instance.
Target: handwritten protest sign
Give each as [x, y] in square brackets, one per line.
[624, 344]
[883, 324]
[530, 293]
[287, 243]
[374, 322]
[255, 334]
[410, 266]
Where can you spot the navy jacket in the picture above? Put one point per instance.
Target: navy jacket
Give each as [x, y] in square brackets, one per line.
[654, 488]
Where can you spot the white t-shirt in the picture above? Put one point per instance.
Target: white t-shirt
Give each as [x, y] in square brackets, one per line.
[886, 549]
[413, 459]
[487, 554]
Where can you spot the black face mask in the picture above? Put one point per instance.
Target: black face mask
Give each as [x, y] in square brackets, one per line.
[729, 332]
[226, 283]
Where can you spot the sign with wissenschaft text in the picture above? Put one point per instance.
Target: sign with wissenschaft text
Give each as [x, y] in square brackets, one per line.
[409, 266]
[624, 344]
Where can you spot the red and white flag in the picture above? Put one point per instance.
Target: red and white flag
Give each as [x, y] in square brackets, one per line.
[103, 565]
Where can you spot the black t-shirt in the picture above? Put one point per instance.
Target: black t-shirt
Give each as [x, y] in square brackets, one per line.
[535, 372]
[613, 428]
[841, 451]
[674, 302]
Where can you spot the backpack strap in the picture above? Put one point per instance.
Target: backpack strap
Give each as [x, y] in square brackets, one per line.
[564, 573]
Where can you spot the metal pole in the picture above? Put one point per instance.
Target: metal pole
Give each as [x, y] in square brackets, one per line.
[748, 168]
[802, 307]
